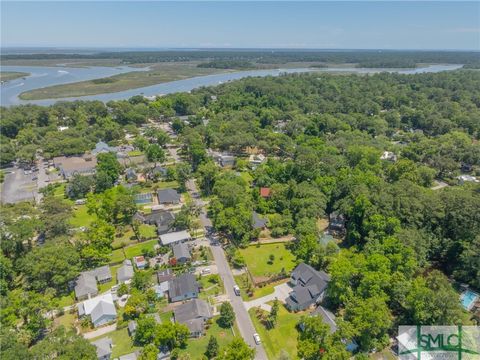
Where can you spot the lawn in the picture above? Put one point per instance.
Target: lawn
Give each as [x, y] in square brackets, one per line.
[196, 347]
[282, 337]
[258, 263]
[245, 175]
[81, 217]
[122, 342]
[67, 320]
[257, 292]
[118, 256]
[210, 287]
[135, 153]
[66, 300]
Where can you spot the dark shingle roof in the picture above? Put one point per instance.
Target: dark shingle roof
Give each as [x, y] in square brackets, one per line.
[181, 250]
[182, 285]
[168, 196]
[258, 222]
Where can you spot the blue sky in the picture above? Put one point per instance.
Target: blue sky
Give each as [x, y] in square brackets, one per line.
[341, 24]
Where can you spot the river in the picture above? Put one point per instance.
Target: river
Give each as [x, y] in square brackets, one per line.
[41, 76]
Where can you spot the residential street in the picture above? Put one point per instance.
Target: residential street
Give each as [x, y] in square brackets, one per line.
[244, 322]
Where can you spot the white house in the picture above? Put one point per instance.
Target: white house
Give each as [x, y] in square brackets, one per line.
[101, 309]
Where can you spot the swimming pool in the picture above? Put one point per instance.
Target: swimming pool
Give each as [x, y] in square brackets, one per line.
[468, 298]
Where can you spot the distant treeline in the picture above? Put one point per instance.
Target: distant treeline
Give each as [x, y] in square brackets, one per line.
[367, 58]
[227, 64]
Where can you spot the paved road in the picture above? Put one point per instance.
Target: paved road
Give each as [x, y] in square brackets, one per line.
[244, 322]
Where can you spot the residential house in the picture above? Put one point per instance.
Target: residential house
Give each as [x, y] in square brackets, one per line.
[165, 275]
[72, 165]
[258, 221]
[337, 224]
[162, 219]
[181, 253]
[104, 348]
[175, 237]
[131, 175]
[462, 179]
[86, 285]
[226, 160]
[101, 309]
[194, 315]
[157, 171]
[265, 192]
[327, 316]
[161, 289]
[103, 148]
[183, 287]
[168, 196]
[389, 156]
[125, 272]
[309, 287]
[255, 160]
[131, 356]
[140, 262]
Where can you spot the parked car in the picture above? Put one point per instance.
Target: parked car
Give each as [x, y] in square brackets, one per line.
[206, 271]
[236, 289]
[34, 178]
[256, 337]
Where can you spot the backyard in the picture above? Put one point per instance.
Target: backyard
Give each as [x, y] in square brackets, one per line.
[261, 265]
[122, 342]
[128, 252]
[211, 286]
[196, 347]
[282, 337]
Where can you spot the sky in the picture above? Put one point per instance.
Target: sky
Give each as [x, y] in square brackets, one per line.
[451, 25]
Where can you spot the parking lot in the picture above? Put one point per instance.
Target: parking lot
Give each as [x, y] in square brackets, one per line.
[18, 186]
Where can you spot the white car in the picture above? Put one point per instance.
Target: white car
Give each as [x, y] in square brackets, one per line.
[236, 289]
[256, 337]
[206, 271]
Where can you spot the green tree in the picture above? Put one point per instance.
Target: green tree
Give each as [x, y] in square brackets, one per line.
[155, 153]
[63, 344]
[237, 349]
[149, 352]
[145, 332]
[212, 347]
[183, 174]
[227, 315]
[79, 186]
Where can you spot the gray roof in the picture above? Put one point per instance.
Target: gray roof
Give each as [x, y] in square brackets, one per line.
[162, 219]
[102, 147]
[173, 237]
[104, 346]
[131, 356]
[101, 273]
[327, 316]
[181, 250]
[192, 309]
[86, 284]
[182, 285]
[310, 283]
[125, 272]
[165, 275]
[258, 222]
[103, 308]
[168, 196]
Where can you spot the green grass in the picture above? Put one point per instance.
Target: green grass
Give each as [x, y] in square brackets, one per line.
[122, 342]
[148, 231]
[245, 175]
[385, 354]
[257, 292]
[282, 337]
[166, 316]
[257, 259]
[66, 300]
[12, 75]
[81, 217]
[196, 347]
[135, 153]
[213, 288]
[136, 250]
[67, 320]
[159, 73]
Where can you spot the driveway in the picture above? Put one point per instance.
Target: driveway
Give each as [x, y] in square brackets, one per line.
[281, 294]
[99, 332]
